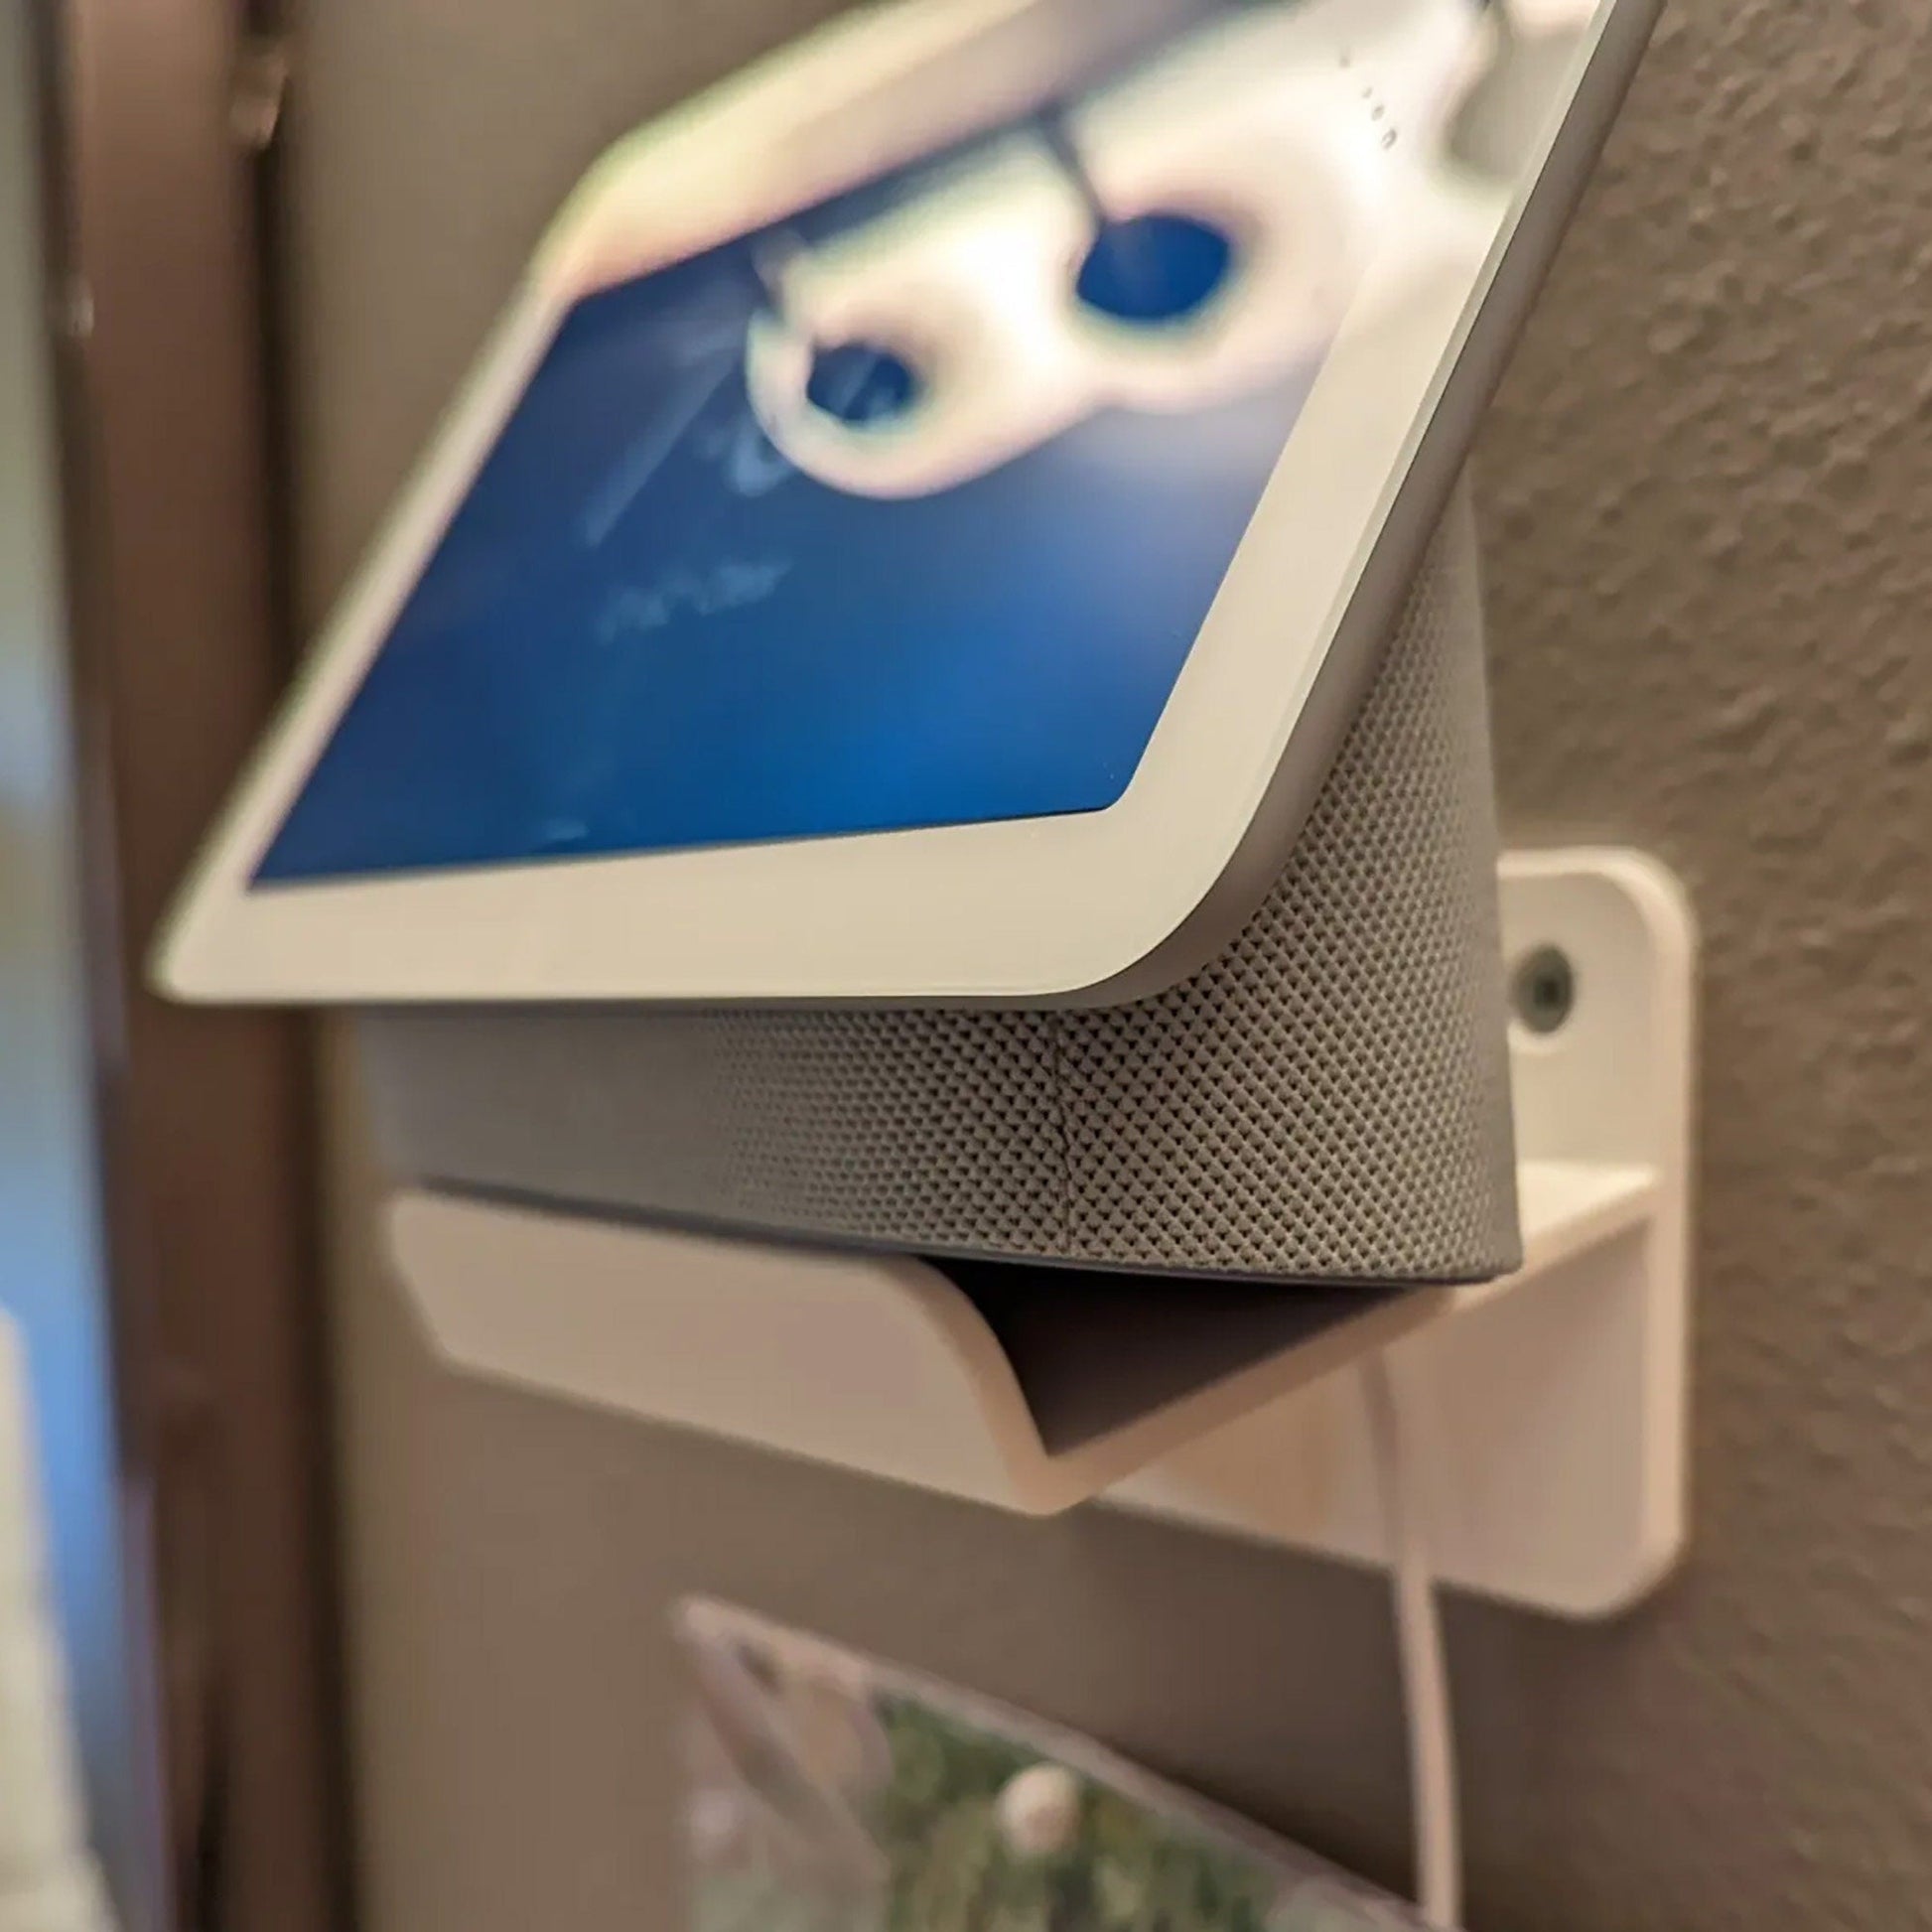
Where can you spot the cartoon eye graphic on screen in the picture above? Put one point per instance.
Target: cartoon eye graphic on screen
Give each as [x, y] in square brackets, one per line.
[1187, 234]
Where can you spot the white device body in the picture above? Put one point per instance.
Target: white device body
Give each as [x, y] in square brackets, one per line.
[1396, 259]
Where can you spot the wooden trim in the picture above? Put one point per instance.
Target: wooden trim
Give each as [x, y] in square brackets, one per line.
[179, 654]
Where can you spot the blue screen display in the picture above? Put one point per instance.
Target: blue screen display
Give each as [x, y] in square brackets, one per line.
[647, 630]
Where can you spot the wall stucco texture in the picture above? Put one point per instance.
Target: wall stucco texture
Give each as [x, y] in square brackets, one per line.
[1709, 485]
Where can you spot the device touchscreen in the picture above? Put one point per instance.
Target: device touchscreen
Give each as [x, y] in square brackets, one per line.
[906, 511]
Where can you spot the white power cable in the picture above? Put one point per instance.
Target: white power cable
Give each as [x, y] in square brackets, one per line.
[1425, 1672]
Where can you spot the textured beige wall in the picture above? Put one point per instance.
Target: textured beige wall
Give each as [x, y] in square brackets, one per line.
[1709, 490]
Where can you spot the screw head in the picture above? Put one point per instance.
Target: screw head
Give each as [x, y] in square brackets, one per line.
[1543, 990]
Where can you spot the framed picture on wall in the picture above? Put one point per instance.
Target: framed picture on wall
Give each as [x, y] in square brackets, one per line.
[829, 1792]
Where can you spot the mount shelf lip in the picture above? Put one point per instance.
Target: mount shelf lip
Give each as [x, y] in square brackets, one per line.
[701, 1333]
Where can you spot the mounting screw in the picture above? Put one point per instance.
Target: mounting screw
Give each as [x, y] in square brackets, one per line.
[1544, 990]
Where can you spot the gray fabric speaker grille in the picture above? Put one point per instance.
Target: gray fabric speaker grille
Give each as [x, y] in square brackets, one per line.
[1327, 1101]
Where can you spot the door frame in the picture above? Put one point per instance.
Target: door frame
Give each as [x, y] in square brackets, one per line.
[159, 206]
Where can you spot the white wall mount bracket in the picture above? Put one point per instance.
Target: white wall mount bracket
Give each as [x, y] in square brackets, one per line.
[1548, 1410]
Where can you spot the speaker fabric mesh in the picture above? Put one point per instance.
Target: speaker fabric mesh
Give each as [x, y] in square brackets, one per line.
[1326, 1101]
